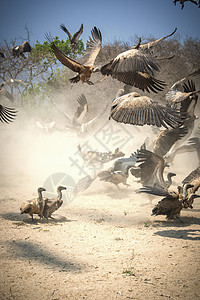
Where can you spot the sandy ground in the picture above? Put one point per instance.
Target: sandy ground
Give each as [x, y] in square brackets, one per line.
[103, 245]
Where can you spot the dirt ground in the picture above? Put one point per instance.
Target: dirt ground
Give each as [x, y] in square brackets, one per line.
[103, 245]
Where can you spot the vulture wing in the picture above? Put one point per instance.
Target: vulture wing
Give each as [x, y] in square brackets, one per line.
[151, 44]
[140, 80]
[26, 47]
[78, 33]
[93, 46]
[131, 61]
[62, 26]
[156, 189]
[81, 110]
[139, 110]
[167, 138]
[151, 165]
[194, 179]
[7, 114]
[65, 60]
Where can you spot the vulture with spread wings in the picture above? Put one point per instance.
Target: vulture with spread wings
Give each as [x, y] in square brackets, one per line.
[151, 169]
[167, 138]
[21, 49]
[171, 140]
[77, 121]
[139, 110]
[182, 2]
[136, 68]
[175, 95]
[73, 39]
[84, 70]
[172, 203]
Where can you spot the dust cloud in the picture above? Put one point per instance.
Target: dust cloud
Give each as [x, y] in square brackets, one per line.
[29, 154]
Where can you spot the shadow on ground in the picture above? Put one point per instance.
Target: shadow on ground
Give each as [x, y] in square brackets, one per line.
[12, 216]
[32, 251]
[183, 222]
[190, 234]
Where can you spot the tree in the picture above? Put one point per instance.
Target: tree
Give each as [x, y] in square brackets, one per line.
[39, 69]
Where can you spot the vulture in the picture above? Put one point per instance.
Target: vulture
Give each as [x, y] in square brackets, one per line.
[151, 169]
[20, 50]
[46, 126]
[7, 114]
[172, 203]
[85, 70]
[194, 179]
[175, 95]
[80, 114]
[115, 177]
[35, 206]
[122, 163]
[94, 157]
[51, 205]
[167, 138]
[13, 82]
[135, 67]
[174, 138]
[140, 110]
[182, 2]
[73, 39]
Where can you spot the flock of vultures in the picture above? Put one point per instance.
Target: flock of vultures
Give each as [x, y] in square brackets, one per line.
[135, 67]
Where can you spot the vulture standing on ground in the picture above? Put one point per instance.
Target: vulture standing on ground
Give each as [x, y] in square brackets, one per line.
[151, 169]
[135, 67]
[20, 50]
[73, 39]
[51, 205]
[7, 114]
[172, 203]
[35, 206]
[140, 110]
[84, 70]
